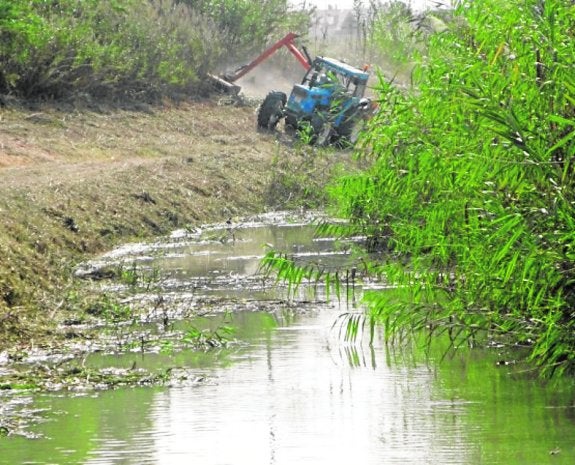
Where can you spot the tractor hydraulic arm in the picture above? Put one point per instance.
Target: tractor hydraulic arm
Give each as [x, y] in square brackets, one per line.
[288, 42]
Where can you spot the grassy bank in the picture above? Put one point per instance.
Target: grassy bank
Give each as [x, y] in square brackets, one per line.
[75, 183]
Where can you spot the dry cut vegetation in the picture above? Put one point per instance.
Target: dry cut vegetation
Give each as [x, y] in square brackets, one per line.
[75, 182]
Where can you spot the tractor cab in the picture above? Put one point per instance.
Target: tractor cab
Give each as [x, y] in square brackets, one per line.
[329, 85]
[327, 72]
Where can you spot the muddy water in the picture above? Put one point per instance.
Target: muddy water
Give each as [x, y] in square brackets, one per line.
[293, 391]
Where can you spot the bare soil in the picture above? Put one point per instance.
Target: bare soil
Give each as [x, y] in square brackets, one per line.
[75, 182]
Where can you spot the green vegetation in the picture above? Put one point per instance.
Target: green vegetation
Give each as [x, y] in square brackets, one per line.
[245, 26]
[127, 49]
[468, 201]
[471, 181]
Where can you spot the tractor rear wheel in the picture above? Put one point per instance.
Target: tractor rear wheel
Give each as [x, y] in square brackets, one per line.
[271, 110]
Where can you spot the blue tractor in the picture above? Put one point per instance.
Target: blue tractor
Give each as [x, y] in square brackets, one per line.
[328, 106]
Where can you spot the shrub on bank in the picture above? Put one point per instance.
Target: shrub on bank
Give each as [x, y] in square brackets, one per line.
[125, 48]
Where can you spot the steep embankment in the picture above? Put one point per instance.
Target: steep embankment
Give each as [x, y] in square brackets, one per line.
[74, 183]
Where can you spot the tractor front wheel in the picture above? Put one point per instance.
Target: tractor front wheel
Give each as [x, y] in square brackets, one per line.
[322, 130]
[271, 110]
[323, 137]
[349, 131]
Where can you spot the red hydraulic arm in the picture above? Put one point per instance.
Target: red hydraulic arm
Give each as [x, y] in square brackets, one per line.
[287, 41]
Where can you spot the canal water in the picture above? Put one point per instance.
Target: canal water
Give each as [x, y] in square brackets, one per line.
[292, 390]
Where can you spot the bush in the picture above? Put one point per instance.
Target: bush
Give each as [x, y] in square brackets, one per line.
[247, 26]
[471, 183]
[123, 48]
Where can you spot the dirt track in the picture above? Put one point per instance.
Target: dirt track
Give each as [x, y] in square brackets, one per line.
[73, 183]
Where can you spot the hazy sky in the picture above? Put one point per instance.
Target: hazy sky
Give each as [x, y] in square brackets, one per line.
[342, 4]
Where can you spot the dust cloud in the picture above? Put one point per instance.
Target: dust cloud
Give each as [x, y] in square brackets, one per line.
[267, 77]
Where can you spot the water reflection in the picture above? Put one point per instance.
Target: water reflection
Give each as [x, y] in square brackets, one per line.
[297, 393]
[298, 400]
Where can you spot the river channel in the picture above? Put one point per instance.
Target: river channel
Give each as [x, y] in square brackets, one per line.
[292, 390]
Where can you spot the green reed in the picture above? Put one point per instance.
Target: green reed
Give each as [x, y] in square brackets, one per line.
[471, 181]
